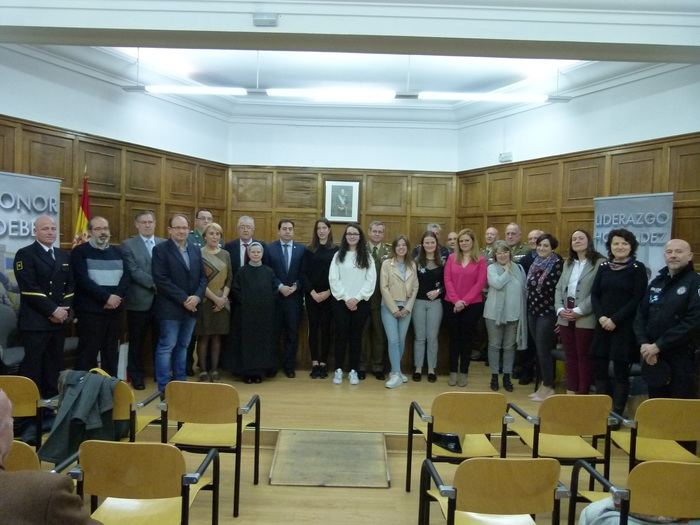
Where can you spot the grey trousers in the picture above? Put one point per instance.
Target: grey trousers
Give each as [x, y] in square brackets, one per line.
[501, 336]
[426, 317]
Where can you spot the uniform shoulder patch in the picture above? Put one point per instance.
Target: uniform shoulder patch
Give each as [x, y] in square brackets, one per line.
[19, 265]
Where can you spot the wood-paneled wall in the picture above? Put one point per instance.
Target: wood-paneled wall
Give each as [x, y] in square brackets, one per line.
[556, 194]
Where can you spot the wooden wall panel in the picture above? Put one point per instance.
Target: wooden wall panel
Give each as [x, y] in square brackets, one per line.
[635, 172]
[66, 228]
[472, 195]
[503, 190]
[684, 173]
[251, 190]
[499, 222]
[8, 139]
[263, 225]
[131, 208]
[393, 226]
[296, 190]
[303, 226]
[142, 175]
[103, 166]
[432, 196]
[582, 180]
[541, 187]
[211, 190]
[686, 222]
[571, 221]
[111, 210]
[47, 155]
[172, 209]
[546, 222]
[475, 223]
[419, 226]
[180, 180]
[386, 194]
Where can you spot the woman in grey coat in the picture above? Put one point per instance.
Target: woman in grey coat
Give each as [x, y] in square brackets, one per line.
[505, 313]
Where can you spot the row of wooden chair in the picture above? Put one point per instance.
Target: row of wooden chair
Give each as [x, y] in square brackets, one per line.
[514, 490]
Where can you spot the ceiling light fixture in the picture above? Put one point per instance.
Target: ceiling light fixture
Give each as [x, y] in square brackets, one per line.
[195, 90]
[335, 94]
[483, 97]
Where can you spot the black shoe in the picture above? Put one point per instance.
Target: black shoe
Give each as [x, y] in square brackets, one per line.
[257, 380]
[506, 383]
[315, 372]
[379, 376]
[431, 377]
[248, 380]
[291, 374]
[524, 379]
[139, 386]
[494, 382]
[361, 375]
[322, 371]
[417, 376]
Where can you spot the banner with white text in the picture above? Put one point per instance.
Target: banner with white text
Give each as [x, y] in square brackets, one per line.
[22, 199]
[648, 216]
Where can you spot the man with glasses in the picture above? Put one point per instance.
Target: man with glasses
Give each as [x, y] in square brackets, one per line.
[202, 218]
[178, 274]
[101, 282]
[238, 250]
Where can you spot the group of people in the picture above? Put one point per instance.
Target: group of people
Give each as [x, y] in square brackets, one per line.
[192, 290]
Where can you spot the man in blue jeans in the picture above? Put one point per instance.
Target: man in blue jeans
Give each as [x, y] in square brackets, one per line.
[178, 274]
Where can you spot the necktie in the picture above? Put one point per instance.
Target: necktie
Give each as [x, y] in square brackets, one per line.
[149, 244]
[286, 256]
[374, 253]
[50, 250]
[246, 259]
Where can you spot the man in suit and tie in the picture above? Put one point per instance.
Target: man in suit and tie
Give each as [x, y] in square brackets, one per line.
[45, 282]
[35, 497]
[286, 257]
[141, 292]
[178, 273]
[237, 249]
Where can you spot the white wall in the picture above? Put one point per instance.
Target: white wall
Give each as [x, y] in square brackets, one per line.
[34, 90]
[660, 106]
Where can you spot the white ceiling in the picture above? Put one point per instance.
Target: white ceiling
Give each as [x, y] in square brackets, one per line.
[253, 65]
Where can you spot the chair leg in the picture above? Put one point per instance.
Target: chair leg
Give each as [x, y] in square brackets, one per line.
[215, 493]
[409, 460]
[236, 481]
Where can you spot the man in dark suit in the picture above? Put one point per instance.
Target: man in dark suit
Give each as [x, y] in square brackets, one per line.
[45, 281]
[286, 257]
[237, 249]
[178, 274]
[140, 294]
[35, 497]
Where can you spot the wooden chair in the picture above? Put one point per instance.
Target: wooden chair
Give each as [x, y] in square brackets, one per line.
[21, 457]
[142, 483]
[472, 416]
[563, 427]
[654, 488]
[493, 491]
[657, 426]
[209, 415]
[26, 401]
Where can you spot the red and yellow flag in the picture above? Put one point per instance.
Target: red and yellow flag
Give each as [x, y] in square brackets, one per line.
[81, 221]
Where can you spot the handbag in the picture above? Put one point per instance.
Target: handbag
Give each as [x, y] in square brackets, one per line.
[657, 375]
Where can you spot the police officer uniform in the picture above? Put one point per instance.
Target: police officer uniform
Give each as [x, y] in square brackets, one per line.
[669, 316]
[45, 281]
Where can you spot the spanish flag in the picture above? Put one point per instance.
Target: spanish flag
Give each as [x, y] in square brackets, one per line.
[81, 221]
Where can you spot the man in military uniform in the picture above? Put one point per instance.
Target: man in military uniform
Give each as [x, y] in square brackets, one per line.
[667, 325]
[374, 339]
[490, 236]
[45, 282]
[518, 249]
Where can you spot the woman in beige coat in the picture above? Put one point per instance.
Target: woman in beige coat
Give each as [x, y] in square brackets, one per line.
[398, 283]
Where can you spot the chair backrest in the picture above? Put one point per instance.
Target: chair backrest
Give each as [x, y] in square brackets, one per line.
[469, 412]
[122, 398]
[575, 415]
[23, 393]
[677, 419]
[21, 457]
[665, 488]
[506, 485]
[131, 470]
[191, 402]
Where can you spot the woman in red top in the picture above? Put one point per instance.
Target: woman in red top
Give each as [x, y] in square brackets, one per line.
[465, 278]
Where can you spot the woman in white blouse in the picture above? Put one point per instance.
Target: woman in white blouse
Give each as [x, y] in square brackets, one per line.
[575, 318]
[352, 277]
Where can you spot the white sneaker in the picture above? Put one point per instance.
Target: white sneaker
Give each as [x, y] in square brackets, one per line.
[394, 381]
[338, 376]
[404, 379]
[352, 376]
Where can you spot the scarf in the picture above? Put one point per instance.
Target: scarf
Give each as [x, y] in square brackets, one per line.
[540, 269]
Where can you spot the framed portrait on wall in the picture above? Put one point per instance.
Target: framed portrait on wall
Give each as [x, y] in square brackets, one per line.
[342, 201]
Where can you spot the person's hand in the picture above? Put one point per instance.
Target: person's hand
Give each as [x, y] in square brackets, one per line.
[113, 302]
[59, 315]
[351, 304]
[607, 324]
[191, 303]
[649, 353]
[567, 314]
[459, 306]
[433, 294]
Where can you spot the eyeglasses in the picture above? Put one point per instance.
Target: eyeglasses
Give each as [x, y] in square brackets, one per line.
[352, 234]
[245, 227]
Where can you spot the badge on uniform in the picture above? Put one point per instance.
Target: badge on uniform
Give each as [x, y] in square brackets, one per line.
[19, 266]
[681, 290]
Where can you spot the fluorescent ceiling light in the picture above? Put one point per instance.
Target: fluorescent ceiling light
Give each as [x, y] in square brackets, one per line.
[196, 90]
[335, 94]
[483, 97]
